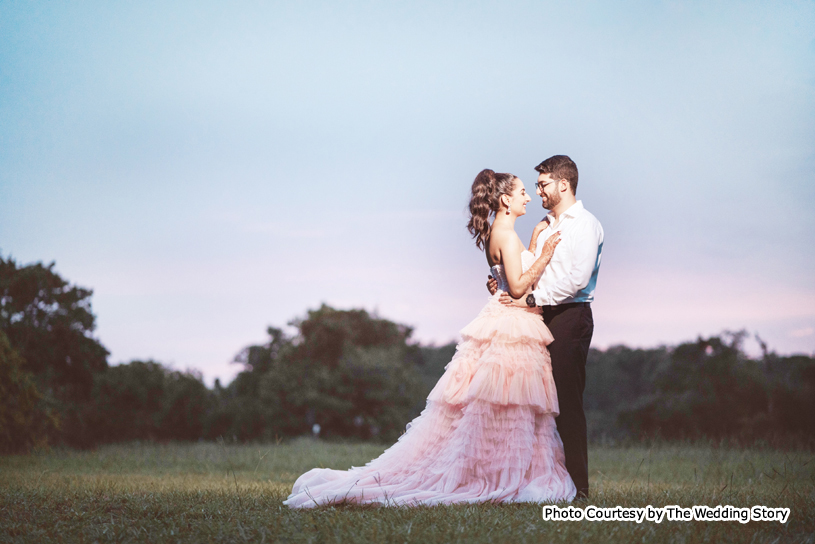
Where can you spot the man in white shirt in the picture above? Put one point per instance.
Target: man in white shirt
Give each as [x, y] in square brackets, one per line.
[565, 291]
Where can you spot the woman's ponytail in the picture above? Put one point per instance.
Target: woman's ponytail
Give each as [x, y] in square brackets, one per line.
[481, 206]
[487, 188]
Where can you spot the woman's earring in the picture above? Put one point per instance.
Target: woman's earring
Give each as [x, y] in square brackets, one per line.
[507, 209]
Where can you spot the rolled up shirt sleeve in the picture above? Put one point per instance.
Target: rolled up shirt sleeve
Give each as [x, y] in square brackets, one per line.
[586, 237]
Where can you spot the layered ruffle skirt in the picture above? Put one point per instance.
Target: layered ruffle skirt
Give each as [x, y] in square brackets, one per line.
[487, 433]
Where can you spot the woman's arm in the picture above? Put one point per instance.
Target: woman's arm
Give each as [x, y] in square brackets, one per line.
[518, 280]
[540, 227]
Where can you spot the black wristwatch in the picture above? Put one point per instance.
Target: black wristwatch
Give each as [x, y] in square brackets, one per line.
[530, 300]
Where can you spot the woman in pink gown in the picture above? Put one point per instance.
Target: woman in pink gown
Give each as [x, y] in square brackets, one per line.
[488, 431]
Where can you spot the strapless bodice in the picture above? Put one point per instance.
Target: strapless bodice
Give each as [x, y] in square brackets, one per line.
[500, 275]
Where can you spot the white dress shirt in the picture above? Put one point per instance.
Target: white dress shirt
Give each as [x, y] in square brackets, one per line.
[571, 275]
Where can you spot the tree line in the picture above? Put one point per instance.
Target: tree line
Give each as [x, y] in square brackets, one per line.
[350, 374]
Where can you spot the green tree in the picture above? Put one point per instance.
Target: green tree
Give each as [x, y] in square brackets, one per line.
[128, 399]
[616, 380]
[709, 388]
[791, 385]
[242, 412]
[352, 373]
[50, 324]
[24, 419]
[143, 400]
[186, 406]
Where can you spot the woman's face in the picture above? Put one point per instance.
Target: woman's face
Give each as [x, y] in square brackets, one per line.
[518, 198]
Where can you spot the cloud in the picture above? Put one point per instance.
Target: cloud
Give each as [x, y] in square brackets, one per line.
[803, 332]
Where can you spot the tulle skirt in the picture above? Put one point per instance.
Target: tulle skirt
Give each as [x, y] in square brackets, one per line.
[487, 433]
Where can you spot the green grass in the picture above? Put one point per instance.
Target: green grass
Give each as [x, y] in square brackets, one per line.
[233, 493]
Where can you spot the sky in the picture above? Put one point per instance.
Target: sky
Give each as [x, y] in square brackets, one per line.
[211, 169]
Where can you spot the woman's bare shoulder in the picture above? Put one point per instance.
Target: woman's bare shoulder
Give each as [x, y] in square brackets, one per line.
[506, 238]
[501, 236]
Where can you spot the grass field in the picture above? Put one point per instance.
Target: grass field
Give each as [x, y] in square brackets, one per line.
[233, 493]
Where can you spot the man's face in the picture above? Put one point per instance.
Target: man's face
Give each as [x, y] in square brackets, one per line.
[550, 193]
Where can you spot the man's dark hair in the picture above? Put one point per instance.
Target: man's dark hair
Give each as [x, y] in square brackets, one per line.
[560, 167]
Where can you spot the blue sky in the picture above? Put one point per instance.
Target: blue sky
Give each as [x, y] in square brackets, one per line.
[210, 169]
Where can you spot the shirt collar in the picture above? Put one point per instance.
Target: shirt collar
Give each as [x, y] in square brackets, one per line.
[572, 211]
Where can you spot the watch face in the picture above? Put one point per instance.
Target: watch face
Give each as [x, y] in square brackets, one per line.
[530, 301]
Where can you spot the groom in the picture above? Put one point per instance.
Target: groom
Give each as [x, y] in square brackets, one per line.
[565, 291]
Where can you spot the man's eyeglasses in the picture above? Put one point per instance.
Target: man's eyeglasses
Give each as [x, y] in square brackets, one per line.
[541, 185]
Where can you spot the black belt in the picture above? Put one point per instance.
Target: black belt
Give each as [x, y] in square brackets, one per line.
[566, 306]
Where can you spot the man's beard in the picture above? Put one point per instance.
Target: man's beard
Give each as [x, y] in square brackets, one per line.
[552, 201]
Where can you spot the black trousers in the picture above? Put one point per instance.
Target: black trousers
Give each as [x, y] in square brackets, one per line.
[572, 326]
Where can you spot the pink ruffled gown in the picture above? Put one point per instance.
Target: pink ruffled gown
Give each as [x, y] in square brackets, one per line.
[487, 433]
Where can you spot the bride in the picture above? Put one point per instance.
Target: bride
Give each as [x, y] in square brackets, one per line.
[488, 431]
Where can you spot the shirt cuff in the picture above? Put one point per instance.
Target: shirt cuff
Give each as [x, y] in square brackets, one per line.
[541, 297]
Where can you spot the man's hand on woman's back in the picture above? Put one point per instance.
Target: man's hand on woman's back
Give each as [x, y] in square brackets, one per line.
[492, 285]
